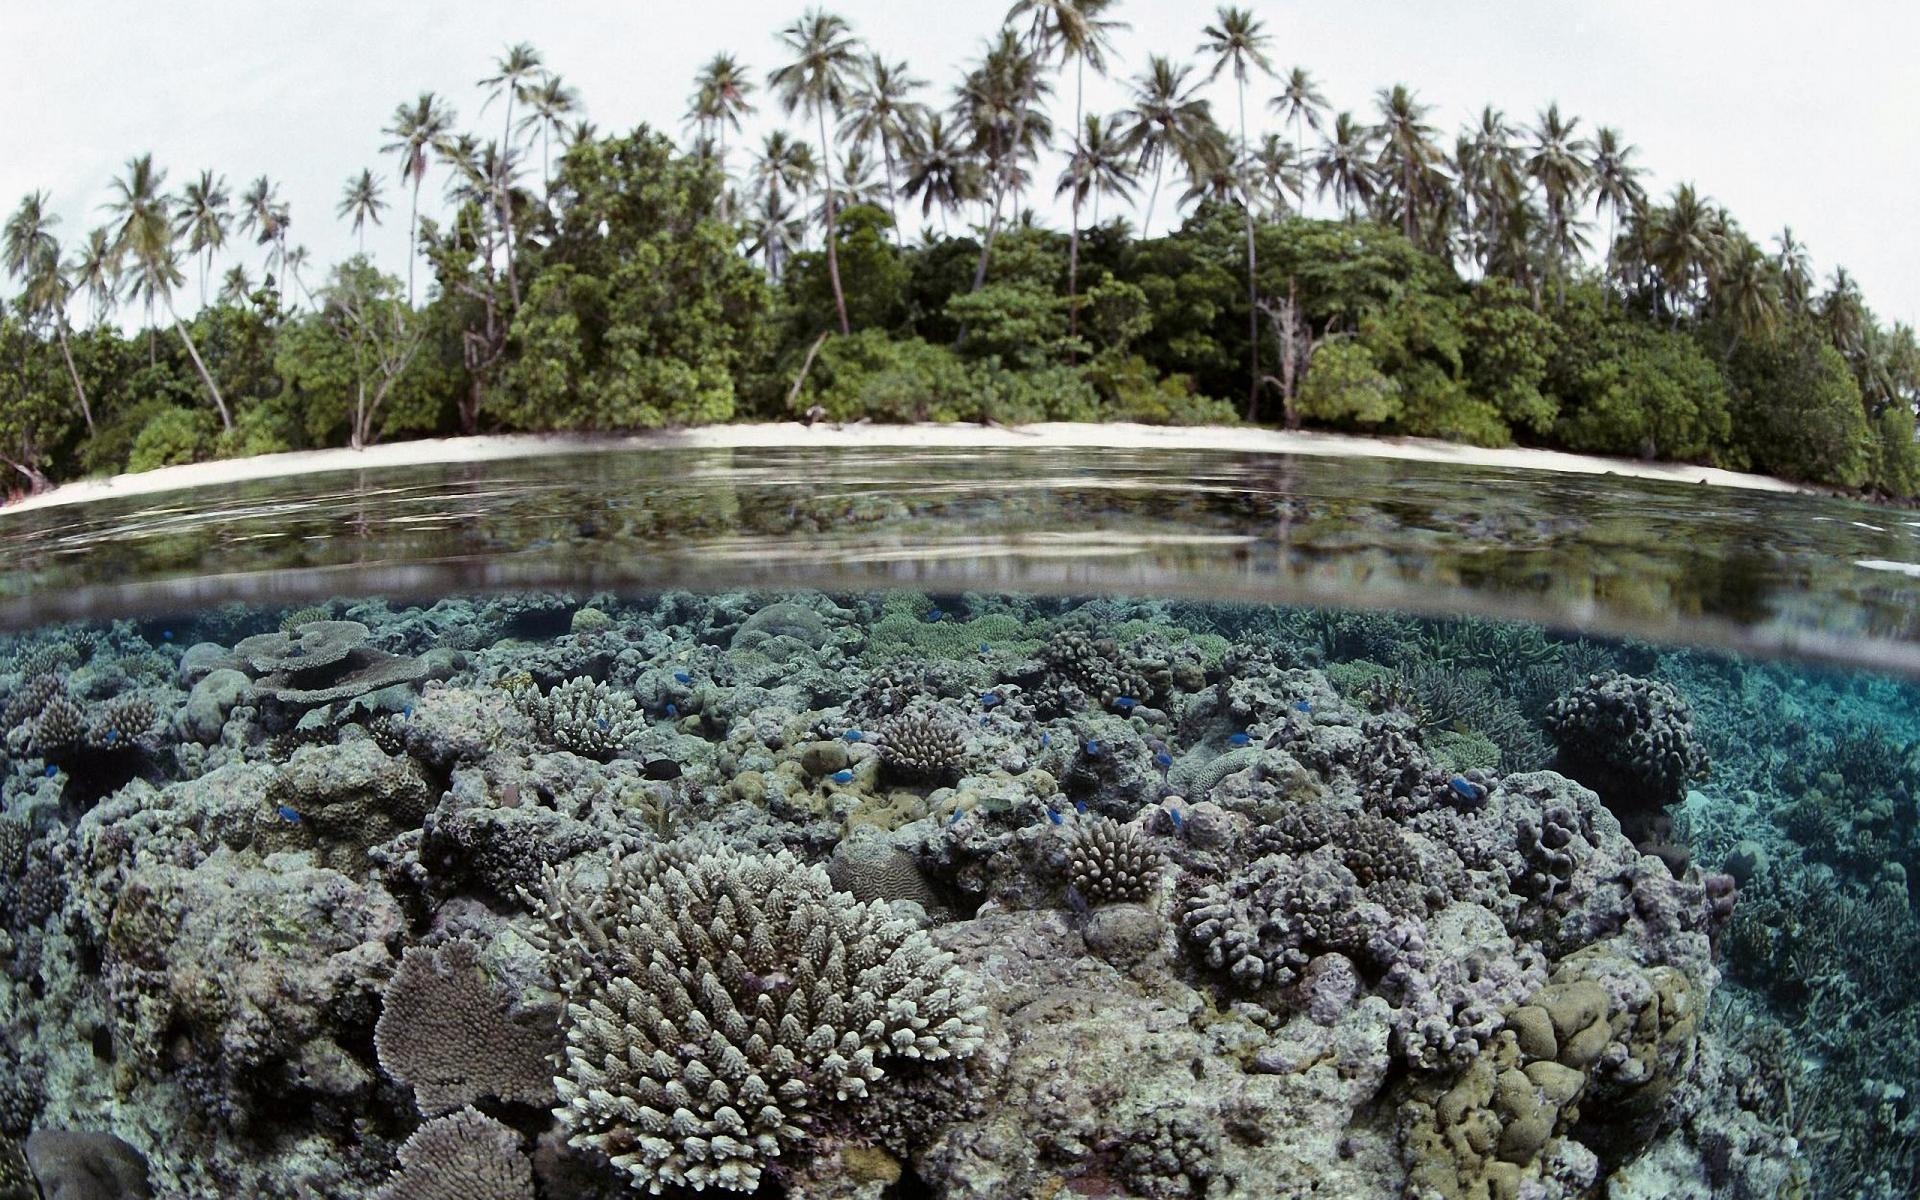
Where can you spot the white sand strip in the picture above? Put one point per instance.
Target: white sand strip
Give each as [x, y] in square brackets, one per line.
[1064, 435]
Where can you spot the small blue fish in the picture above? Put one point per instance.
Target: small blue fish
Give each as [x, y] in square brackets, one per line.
[52, 770]
[1466, 788]
[1053, 815]
[406, 714]
[1163, 760]
[166, 635]
[989, 699]
[935, 617]
[290, 816]
[673, 710]
[1092, 748]
[682, 677]
[1305, 706]
[852, 735]
[1124, 703]
[983, 720]
[841, 776]
[957, 814]
[1046, 739]
[1238, 739]
[985, 649]
[1174, 813]
[602, 723]
[1080, 806]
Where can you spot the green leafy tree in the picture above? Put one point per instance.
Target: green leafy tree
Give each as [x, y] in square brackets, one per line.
[877, 270]
[644, 313]
[1510, 347]
[1346, 388]
[1797, 411]
[33, 421]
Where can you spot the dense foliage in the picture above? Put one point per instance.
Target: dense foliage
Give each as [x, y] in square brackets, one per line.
[1460, 293]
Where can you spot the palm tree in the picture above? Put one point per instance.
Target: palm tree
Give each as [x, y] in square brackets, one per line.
[783, 167]
[415, 130]
[1100, 165]
[1614, 183]
[31, 254]
[1166, 117]
[512, 72]
[203, 220]
[1796, 270]
[997, 103]
[235, 286]
[938, 170]
[362, 201]
[266, 216]
[1408, 157]
[1843, 311]
[1558, 164]
[719, 100]
[1344, 165]
[549, 104]
[776, 232]
[855, 184]
[880, 110]
[1746, 289]
[1685, 243]
[1281, 172]
[146, 236]
[824, 52]
[94, 271]
[1300, 104]
[1487, 176]
[1238, 39]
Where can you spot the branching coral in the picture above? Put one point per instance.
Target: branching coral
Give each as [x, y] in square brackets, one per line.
[924, 742]
[583, 715]
[720, 1006]
[1629, 739]
[1111, 862]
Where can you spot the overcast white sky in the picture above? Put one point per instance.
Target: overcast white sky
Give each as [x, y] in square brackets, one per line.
[1788, 113]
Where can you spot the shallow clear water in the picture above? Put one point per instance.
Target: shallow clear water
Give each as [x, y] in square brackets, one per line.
[901, 825]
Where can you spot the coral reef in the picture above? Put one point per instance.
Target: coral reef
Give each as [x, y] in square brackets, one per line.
[967, 897]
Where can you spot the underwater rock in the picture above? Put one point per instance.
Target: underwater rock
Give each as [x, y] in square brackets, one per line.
[795, 622]
[340, 800]
[86, 1166]
[1123, 934]
[213, 696]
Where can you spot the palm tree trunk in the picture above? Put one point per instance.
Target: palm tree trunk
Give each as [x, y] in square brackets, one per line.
[413, 233]
[1159, 169]
[1073, 271]
[226, 418]
[893, 197]
[1253, 306]
[833, 256]
[60, 327]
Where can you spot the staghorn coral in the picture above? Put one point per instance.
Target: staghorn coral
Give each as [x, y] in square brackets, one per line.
[924, 742]
[584, 716]
[462, 1156]
[447, 1031]
[31, 698]
[718, 1007]
[1111, 862]
[61, 727]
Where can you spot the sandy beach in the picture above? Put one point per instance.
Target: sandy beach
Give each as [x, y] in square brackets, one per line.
[1117, 436]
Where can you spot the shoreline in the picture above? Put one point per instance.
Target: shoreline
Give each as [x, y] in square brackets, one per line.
[782, 435]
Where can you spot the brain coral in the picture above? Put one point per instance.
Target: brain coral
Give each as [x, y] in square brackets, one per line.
[718, 1006]
[446, 1029]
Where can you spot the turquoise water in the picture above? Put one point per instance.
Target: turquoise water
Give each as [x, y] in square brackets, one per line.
[901, 826]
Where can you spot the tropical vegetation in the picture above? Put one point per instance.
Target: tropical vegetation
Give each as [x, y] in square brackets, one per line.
[1512, 282]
